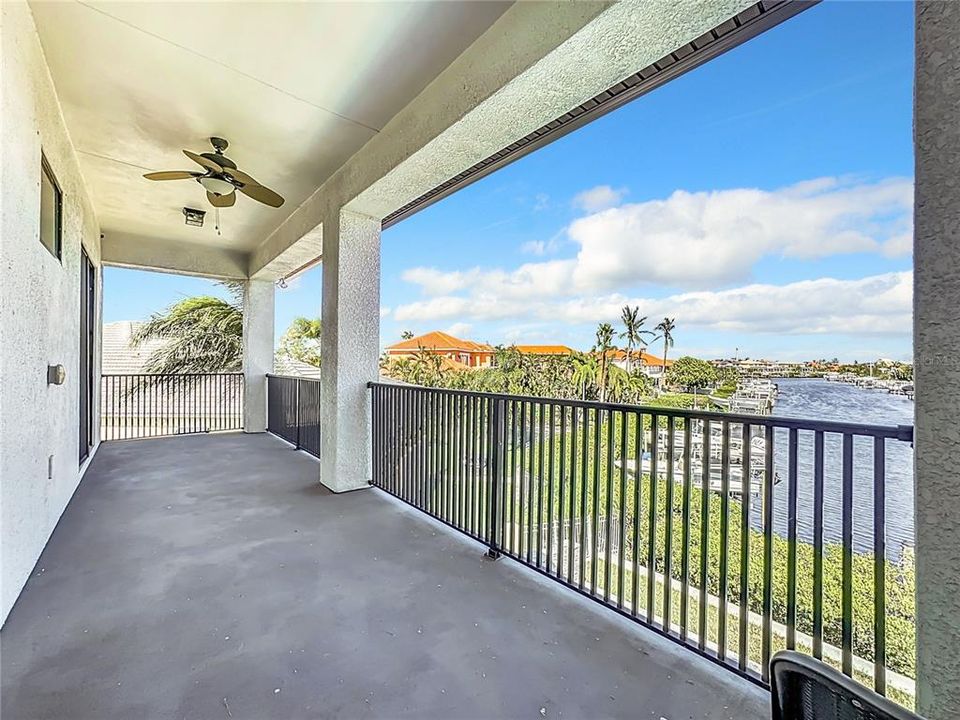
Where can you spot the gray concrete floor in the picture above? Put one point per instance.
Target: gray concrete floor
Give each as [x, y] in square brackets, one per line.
[213, 577]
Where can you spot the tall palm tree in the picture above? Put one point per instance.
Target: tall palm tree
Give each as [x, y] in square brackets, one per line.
[201, 334]
[632, 331]
[584, 373]
[666, 328]
[604, 343]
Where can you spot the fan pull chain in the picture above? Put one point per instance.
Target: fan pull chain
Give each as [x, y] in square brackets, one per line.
[217, 224]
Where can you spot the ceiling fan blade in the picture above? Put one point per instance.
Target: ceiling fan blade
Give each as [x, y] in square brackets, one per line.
[203, 162]
[262, 194]
[240, 176]
[172, 175]
[222, 200]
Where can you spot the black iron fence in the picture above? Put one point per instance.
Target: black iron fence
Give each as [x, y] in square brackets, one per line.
[688, 522]
[293, 411]
[154, 405]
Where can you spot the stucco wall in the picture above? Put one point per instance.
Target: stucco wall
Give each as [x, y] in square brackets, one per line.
[39, 306]
[936, 342]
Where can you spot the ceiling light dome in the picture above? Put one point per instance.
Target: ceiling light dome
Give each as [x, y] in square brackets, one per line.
[216, 185]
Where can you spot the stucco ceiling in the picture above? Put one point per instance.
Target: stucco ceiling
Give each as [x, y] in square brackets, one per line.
[295, 88]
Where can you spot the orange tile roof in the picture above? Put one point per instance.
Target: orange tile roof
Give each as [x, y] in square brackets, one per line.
[642, 355]
[544, 349]
[649, 359]
[438, 341]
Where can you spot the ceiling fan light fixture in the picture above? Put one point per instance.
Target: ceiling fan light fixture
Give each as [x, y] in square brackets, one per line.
[216, 185]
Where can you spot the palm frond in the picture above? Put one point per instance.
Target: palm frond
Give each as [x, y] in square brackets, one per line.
[200, 334]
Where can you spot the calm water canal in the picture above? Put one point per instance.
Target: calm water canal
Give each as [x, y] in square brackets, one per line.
[822, 400]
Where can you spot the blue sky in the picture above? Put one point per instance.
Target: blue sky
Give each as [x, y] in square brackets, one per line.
[763, 200]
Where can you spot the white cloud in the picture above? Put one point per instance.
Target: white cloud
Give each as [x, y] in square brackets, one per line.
[541, 201]
[707, 239]
[459, 329]
[384, 312]
[599, 198]
[700, 240]
[899, 245]
[544, 247]
[880, 304]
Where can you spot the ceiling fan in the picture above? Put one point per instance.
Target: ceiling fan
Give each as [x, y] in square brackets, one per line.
[221, 178]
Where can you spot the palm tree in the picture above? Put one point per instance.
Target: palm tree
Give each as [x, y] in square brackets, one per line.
[202, 334]
[604, 343]
[666, 328]
[584, 372]
[618, 383]
[406, 335]
[632, 333]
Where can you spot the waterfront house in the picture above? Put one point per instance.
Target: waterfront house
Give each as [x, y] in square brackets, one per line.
[647, 363]
[228, 575]
[461, 354]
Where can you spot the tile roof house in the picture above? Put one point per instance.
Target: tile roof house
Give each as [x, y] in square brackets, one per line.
[463, 354]
[647, 363]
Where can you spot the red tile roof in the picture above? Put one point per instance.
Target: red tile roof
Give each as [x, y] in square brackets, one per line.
[438, 341]
[544, 349]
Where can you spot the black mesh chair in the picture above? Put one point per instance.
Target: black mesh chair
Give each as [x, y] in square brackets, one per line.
[804, 688]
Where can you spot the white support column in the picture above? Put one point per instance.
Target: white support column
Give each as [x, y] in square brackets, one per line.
[349, 346]
[258, 296]
[937, 357]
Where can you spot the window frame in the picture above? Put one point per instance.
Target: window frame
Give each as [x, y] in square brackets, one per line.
[47, 171]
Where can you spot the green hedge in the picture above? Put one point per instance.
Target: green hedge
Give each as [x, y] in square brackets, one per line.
[899, 578]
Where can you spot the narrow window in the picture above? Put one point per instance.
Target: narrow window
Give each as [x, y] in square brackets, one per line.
[51, 205]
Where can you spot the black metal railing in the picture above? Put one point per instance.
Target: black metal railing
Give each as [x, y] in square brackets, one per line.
[154, 405]
[293, 411]
[731, 534]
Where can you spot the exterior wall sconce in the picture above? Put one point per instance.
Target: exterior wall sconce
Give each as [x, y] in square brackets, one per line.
[56, 375]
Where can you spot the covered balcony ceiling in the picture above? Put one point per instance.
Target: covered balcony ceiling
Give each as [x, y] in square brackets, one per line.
[295, 93]
[212, 576]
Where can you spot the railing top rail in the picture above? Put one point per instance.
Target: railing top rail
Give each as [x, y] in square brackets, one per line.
[895, 432]
[292, 377]
[205, 374]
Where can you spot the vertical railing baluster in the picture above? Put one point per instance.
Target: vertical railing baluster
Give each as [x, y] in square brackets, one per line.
[792, 480]
[724, 538]
[847, 563]
[584, 455]
[562, 492]
[746, 491]
[521, 476]
[652, 518]
[879, 567]
[622, 502]
[818, 544]
[608, 489]
[541, 481]
[595, 525]
[768, 480]
[495, 410]
[685, 530]
[510, 486]
[637, 510]
[550, 487]
[704, 535]
[668, 527]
